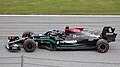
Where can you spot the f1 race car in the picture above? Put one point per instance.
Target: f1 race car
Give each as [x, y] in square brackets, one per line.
[70, 38]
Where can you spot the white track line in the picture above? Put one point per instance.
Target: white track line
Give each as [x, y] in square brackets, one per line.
[66, 15]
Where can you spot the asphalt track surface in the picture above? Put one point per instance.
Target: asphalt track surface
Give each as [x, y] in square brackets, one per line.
[16, 25]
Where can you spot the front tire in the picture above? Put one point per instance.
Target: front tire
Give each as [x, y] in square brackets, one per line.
[29, 45]
[102, 46]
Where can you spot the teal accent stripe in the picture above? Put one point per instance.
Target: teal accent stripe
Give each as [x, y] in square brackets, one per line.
[46, 39]
[70, 44]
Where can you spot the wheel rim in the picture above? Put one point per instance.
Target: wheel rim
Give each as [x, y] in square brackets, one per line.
[29, 46]
[102, 46]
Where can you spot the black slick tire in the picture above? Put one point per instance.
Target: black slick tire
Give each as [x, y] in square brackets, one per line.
[29, 45]
[102, 46]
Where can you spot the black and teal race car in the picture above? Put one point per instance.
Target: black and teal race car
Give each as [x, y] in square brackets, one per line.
[70, 38]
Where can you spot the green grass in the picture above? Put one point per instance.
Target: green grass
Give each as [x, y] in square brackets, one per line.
[79, 7]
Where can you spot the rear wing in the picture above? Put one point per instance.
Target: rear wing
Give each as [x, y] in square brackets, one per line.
[108, 33]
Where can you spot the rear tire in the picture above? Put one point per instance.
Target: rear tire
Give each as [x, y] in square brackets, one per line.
[102, 46]
[29, 45]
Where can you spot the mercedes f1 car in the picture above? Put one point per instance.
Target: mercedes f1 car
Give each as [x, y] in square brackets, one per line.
[70, 38]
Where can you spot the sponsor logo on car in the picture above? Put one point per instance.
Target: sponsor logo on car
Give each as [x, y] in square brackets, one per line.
[78, 36]
[69, 41]
[109, 33]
